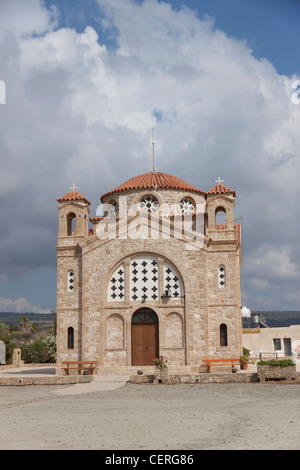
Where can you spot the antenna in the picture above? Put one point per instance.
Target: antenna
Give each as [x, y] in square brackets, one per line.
[153, 155]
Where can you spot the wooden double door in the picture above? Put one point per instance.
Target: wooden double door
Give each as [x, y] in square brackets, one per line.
[144, 337]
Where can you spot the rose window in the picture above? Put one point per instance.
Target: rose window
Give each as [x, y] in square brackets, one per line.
[186, 206]
[149, 203]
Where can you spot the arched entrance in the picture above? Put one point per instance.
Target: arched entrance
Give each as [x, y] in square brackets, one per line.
[144, 337]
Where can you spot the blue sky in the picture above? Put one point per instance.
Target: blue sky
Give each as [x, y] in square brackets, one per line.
[87, 80]
[271, 27]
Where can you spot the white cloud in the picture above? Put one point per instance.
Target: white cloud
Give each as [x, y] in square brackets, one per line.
[80, 112]
[272, 263]
[25, 18]
[20, 305]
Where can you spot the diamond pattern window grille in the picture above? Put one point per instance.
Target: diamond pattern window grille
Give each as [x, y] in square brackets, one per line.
[172, 281]
[144, 282]
[116, 286]
[221, 276]
[71, 285]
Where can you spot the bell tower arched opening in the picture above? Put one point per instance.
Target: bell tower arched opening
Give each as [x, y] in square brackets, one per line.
[71, 223]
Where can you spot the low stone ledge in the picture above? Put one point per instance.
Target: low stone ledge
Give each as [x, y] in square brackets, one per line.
[196, 379]
[49, 380]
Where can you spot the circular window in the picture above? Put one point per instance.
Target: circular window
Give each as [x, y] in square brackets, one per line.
[149, 203]
[186, 206]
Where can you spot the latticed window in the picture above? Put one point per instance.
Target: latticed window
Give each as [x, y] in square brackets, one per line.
[172, 282]
[116, 287]
[144, 281]
[71, 285]
[221, 276]
[144, 278]
[149, 203]
[186, 206]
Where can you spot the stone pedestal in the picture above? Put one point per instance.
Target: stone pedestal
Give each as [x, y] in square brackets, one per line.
[161, 375]
[16, 359]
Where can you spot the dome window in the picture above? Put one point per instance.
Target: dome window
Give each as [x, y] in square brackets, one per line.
[186, 206]
[149, 203]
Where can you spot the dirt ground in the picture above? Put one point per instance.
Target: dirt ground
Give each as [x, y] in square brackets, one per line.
[161, 417]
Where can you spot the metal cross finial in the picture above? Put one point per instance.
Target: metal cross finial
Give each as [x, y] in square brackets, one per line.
[73, 187]
[153, 169]
[219, 181]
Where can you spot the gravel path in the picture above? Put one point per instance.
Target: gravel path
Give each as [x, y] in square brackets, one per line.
[159, 417]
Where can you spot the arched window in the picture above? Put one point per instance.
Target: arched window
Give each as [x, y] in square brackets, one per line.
[116, 287]
[149, 203]
[145, 315]
[186, 206]
[71, 224]
[70, 337]
[221, 276]
[223, 335]
[144, 282]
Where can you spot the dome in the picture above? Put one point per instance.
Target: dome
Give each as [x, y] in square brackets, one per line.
[220, 189]
[73, 196]
[154, 180]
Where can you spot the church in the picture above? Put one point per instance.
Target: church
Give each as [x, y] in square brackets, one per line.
[155, 274]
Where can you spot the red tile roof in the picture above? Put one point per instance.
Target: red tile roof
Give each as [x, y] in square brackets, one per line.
[73, 196]
[154, 180]
[220, 189]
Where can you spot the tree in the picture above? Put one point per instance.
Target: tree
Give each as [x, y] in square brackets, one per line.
[24, 324]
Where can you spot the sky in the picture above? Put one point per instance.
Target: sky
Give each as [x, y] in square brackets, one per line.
[87, 80]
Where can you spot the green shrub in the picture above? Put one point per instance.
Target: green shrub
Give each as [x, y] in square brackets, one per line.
[42, 350]
[273, 362]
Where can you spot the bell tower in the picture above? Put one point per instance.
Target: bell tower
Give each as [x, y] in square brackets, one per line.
[73, 210]
[220, 199]
[73, 218]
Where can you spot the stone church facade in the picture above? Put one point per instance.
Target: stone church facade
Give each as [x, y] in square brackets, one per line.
[156, 275]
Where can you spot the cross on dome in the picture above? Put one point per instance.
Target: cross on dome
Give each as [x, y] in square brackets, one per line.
[219, 181]
[73, 187]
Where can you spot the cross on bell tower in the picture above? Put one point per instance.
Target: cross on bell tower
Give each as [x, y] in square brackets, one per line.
[219, 181]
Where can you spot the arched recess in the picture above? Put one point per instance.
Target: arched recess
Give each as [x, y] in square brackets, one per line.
[174, 331]
[115, 332]
[144, 337]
